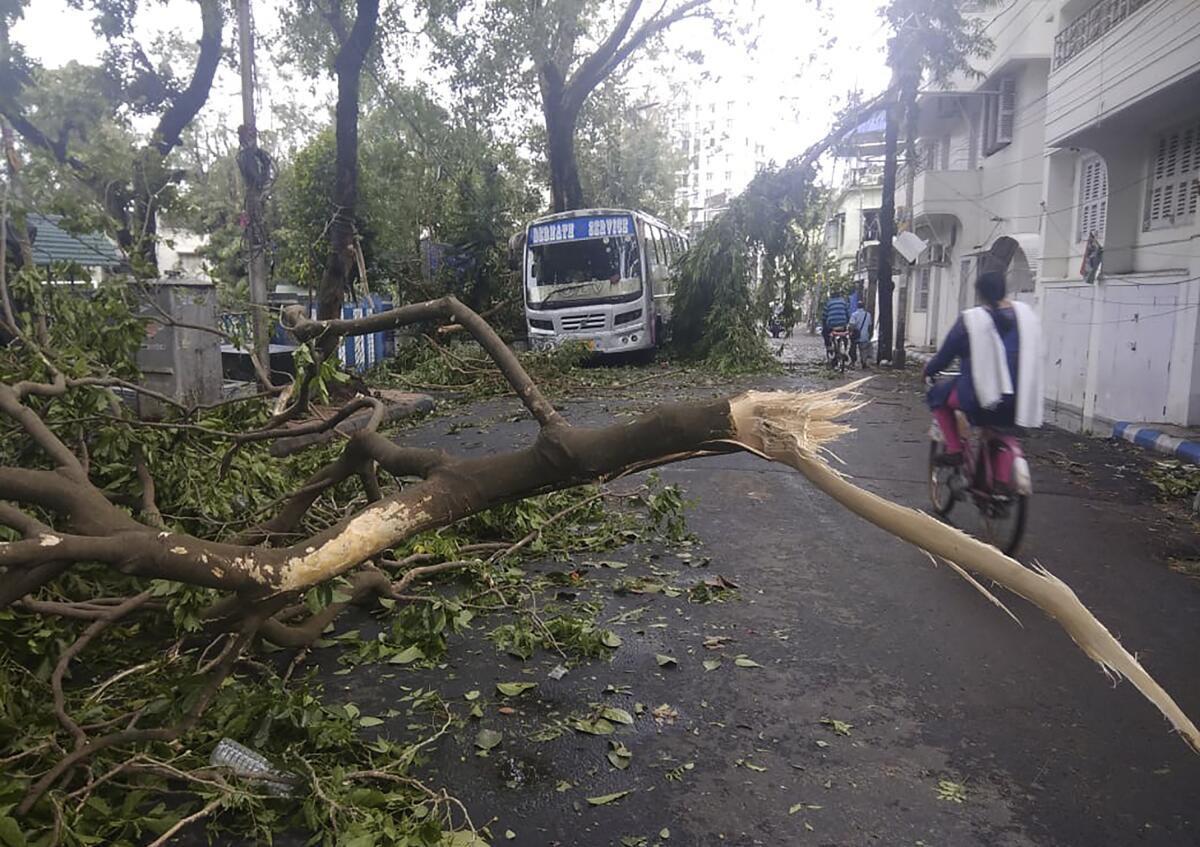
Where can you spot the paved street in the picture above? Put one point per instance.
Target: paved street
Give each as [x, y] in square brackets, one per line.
[849, 625]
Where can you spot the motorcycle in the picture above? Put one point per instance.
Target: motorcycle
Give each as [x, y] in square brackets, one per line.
[839, 349]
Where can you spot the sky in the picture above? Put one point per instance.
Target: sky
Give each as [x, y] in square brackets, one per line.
[836, 48]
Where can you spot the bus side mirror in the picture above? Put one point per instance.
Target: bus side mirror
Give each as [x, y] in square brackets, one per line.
[516, 251]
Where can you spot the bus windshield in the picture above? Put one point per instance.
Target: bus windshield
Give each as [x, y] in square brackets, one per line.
[593, 269]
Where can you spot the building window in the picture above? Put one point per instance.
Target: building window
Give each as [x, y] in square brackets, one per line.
[1093, 198]
[870, 225]
[835, 232]
[966, 285]
[921, 296]
[1174, 192]
[728, 176]
[999, 116]
[935, 154]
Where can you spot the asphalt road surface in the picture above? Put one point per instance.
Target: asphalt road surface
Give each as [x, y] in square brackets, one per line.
[946, 698]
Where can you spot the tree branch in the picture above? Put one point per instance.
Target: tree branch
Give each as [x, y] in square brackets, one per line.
[616, 49]
[446, 308]
[191, 100]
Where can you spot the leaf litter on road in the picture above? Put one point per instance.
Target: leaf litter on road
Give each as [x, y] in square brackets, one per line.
[838, 727]
[605, 799]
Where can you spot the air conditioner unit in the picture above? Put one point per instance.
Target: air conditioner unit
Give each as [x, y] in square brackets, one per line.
[939, 254]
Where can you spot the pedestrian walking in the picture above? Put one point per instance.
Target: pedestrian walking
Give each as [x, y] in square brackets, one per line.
[861, 329]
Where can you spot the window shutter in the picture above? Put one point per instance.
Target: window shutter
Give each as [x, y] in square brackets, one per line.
[1173, 197]
[1007, 111]
[1093, 198]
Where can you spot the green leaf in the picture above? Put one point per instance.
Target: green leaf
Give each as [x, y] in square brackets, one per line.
[476, 711]
[610, 639]
[838, 727]
[472, 695]
[664, 660]
[745, 662]
[597, 727]
[617, 715]
[798, 806]
[619, 755]
[711, 664]
[512, 689]
[10, 833]
[369, 721]
[605, 799]
[488, 739]
[664, 833]
[407, 656]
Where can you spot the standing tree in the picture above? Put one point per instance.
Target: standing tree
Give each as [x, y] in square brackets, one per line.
[128, 85]
[934, 39]
[567, 49]
[341, 43]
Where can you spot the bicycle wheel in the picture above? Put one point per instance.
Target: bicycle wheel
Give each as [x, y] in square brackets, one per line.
[1004, 521]
[941, 495]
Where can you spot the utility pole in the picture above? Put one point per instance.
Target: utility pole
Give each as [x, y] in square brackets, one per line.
[910, 174]
[254, 175]
[887, 226]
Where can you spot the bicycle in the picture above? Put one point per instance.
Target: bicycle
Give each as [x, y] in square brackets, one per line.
[838, 355]
[994, 474]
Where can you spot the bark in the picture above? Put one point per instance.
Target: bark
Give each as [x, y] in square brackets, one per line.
[566, 190]
[348, 68]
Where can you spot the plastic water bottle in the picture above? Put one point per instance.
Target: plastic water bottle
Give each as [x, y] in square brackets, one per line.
[253, 766]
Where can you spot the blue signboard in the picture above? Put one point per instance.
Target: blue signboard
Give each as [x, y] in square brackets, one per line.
[577, 229]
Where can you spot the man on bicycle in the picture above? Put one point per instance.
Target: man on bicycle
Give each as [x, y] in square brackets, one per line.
[999, 345]
[835, 316]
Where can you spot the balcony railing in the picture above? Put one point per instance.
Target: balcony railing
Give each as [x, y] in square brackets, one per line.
[1091, 26]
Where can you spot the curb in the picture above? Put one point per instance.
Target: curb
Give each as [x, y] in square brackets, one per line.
[1160, 442]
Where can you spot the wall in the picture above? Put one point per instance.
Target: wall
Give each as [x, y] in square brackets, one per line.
[1124, 350]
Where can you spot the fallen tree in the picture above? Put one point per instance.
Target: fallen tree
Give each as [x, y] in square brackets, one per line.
[59, 520]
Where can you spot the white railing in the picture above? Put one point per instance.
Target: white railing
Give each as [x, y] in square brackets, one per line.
[1091, 26]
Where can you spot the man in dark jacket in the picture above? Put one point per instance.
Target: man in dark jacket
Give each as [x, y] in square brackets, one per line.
[835, 316]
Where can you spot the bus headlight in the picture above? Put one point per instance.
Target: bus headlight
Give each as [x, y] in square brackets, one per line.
[626, 317]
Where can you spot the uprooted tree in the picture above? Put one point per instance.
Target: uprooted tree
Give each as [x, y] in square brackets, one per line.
[254, 586]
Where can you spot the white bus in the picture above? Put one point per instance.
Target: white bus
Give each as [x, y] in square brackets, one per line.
[600, 276]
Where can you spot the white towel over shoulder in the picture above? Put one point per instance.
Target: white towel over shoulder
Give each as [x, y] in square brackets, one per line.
[989, 364]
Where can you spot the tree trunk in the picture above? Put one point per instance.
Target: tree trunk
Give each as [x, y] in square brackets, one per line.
[566, 191]
[348, 67]
[887, 229]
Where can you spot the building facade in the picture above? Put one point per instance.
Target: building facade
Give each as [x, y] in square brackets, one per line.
[720, 133]
[1084, 129]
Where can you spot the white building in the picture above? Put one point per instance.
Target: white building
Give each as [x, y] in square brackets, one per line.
[178, 253]
[1086, 121]
[852, 225]
[721, 134]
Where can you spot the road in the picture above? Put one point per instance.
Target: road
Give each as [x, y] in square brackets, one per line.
[944, 694]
